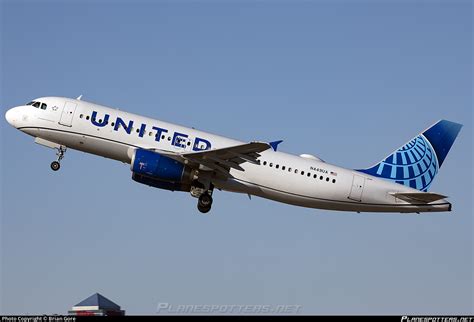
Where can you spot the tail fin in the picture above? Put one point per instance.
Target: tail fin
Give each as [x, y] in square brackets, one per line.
[416, 163]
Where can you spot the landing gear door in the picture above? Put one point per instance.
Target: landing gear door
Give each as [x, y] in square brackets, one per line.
[357, 188]
[68, 113]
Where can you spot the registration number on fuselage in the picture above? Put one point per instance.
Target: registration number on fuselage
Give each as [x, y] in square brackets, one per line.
[319, 170]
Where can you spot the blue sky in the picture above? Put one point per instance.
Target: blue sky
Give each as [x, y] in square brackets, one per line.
[347, 81]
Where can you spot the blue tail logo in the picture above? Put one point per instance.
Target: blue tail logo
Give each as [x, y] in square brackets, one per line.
[416, 163]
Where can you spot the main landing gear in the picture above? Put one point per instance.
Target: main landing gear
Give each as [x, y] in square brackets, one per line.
[205, 202]
[55, 165]
[202, 191]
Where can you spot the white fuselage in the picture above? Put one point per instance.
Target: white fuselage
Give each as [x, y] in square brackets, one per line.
[302, 181]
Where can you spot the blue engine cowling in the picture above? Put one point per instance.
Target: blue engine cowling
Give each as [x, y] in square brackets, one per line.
[159, 171]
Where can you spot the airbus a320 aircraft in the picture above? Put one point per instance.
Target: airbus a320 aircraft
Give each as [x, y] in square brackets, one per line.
[173, 157]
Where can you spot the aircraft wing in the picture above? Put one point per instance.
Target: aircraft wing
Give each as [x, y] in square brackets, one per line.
[417, 197]
[223, 159]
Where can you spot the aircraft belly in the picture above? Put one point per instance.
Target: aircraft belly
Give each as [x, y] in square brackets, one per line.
[343, 205]
[97, 146]
[315, 195]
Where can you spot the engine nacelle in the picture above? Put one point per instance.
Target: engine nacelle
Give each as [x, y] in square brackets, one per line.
[167, 185]
[160, 171]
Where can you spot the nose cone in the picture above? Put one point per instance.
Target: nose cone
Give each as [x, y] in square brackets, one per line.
[12, 116]
[9, 116]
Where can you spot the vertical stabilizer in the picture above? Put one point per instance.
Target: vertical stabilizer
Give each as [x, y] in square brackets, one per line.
[416, 163]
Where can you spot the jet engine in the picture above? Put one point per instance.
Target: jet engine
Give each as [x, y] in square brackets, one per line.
[156, 170]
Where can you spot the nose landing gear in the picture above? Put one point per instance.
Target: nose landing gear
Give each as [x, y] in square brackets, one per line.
[55, 165]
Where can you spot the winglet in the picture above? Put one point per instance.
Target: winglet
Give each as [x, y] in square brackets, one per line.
[274, 144]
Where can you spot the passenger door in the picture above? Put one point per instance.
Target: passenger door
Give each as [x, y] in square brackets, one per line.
[68, 113]
[357, 188]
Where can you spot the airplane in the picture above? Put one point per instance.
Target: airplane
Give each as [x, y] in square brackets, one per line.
[177, 158]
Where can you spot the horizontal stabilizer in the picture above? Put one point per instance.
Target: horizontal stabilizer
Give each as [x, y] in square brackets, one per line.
[416, 197]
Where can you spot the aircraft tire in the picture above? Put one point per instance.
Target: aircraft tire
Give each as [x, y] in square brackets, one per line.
[55, 165]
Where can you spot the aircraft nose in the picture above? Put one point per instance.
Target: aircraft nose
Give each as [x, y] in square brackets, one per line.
[11, 116]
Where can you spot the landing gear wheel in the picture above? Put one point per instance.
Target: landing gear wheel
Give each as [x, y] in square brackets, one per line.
[205, 200]
[55, 165]
[204, 210]
[204, 203]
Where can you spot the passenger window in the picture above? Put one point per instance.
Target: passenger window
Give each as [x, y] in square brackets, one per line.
[327, 179]
[302, 173]
[309, 174]
[333, 180]
[277, 166]
[296, 170]
[264, 162]
[271, 164]
[321, 178]
[315, 176]
[289, 169]
[87, 117]
[43, 106]
[283, 167]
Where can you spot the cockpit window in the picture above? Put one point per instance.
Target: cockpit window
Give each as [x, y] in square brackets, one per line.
[40, 105]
